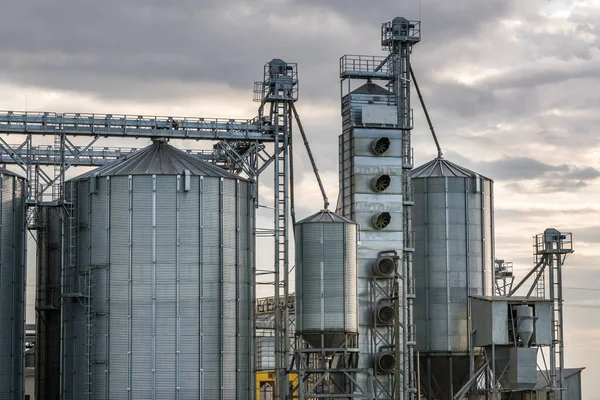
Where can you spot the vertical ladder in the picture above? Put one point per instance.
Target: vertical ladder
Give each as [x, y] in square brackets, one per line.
[89, 316]
[540, 286]
[280, 117]
[554, 265]
[59, 167]
[33, 197]
[401, 83]
[72, 273]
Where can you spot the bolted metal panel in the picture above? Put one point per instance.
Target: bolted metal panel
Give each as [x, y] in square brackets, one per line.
[173, 270]
[326, 294]
[453, 259]
[12, 284]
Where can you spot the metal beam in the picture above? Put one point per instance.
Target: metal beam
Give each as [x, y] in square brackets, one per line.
[45, 123]
[80, 155]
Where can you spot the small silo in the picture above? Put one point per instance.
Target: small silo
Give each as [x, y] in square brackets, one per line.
[453, 220]
[12, 284]
[326, 288]
[159, 279]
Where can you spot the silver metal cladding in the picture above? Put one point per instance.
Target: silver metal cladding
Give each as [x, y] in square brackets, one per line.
[326, 289]
[12, 284]
[453, 223]
[169, 257]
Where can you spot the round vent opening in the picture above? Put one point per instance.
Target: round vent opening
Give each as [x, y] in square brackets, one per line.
[384, 266]
[380, 183]
[381, 145]
[381, 220]
[385, 314]
[385, 362]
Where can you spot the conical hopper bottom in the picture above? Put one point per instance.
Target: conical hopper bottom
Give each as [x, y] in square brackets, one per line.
[442, 376]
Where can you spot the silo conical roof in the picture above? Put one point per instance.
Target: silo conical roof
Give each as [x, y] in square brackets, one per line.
[325, 216]
[440, 167]
[371, 88]
[159, 158]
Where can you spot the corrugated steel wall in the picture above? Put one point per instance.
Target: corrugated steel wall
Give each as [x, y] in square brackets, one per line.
[453, 258]
[173, 295]
[12, 285]
[326, 288]
[573, 387]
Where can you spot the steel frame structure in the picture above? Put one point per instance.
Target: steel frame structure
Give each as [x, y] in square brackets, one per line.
[503, 277]
[243, 146]
[550, 250]
[397, 38]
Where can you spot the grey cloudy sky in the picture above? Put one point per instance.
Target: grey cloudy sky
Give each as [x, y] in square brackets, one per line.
[513, 87]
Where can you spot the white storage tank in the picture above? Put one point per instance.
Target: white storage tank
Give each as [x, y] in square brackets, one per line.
[12, 284]
[162, 287]
[326, 285]
[453, 220]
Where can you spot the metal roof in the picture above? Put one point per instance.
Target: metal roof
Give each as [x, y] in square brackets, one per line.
[371, 88]
[542, 376]
[159, 158]
[5, 171]
[440, 167]
[325, 216]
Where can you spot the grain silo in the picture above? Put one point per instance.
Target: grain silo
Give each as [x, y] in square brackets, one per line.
[159, 275]
[453, 222]
[326, 289]
[326, 305]
[12, 284]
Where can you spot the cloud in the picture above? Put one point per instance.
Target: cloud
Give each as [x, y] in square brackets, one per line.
[528, 175]
[511, 86]
[589, 234]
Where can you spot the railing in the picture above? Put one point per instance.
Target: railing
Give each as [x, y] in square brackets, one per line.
[548, 242]
[403, 31]
[266, 305]
[359, 65]
[93, 156]
[128, 125]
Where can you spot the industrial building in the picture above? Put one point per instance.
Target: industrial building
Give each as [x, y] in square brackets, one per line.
[146, 271]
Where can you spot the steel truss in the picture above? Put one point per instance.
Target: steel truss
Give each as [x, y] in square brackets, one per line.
[243, 146]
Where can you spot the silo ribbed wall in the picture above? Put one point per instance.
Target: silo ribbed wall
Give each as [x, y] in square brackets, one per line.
[326, 289]
[453, 220]
[172, 298]
[12, 284]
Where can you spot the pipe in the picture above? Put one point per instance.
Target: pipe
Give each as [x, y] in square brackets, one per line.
[540, 263]
[467, 385]
[437, 143]
[310, 156]
[292, 192]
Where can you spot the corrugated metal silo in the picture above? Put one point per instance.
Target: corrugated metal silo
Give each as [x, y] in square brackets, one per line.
[160, 268]
[48, 222]
[453, 222]
[326, 289]
[12, 284]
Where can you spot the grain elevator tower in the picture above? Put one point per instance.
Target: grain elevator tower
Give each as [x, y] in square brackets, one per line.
[375, 192]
